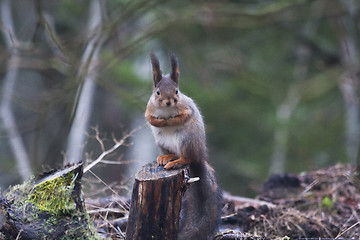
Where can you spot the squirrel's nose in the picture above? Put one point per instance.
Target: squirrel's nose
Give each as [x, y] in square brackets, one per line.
[168, 103]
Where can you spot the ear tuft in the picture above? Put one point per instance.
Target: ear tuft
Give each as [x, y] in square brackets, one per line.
[157, 75]
[174, 68]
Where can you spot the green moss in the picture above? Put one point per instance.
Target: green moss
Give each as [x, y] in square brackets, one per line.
[19, 192]
[54, 195]
[83, 231]
[44, 206]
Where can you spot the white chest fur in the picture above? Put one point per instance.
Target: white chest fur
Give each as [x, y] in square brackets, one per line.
[164, 112]
[168, 138]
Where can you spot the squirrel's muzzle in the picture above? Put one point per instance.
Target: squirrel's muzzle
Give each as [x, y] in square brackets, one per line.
[168, 102]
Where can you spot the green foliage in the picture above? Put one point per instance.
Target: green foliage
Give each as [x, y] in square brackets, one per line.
[327, 202]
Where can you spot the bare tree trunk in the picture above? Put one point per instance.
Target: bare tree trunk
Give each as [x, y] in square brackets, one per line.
[348, 87]
[349, 83]
[286, 109]
[16, 142]
[87, 70]
[283, 116]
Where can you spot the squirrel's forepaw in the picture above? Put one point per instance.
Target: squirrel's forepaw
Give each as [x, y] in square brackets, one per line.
[171, 165]
[164, 159]
[178, 163]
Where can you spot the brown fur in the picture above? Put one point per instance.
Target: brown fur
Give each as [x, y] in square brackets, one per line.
[179, 119]
[179, 131]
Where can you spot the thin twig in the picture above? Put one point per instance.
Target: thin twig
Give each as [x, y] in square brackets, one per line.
[19, 234]
[100, 210]
[342, 232]
[97, 137]
[309, 187]
[117, 144]
[110, 224]
[123, 204]
[118, 162]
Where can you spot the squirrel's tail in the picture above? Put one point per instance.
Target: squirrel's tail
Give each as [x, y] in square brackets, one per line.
[200, 214]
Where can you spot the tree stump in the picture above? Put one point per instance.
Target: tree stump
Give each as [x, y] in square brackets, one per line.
[49, 206]
[156, 203]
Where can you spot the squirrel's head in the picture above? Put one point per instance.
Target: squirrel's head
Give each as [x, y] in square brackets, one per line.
[165, 91]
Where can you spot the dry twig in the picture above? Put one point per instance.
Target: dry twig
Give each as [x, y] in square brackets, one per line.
[118, 143]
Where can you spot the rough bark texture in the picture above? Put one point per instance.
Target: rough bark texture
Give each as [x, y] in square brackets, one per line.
[156, 203]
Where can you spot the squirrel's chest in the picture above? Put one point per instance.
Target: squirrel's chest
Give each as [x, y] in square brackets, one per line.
[168, 138]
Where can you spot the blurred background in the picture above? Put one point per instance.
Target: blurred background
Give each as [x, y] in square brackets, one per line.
[277, 83]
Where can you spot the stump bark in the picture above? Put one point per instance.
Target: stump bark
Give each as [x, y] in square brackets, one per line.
[156, 203]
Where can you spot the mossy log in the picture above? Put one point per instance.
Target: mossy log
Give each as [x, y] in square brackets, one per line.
[46, 207]
[156, 203]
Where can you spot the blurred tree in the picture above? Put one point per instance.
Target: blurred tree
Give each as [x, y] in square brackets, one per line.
[87, 74]
[13, 45]
[264, 73]
[349, 83]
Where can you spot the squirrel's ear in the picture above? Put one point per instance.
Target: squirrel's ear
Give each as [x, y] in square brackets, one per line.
[157, 75]
[174, 68]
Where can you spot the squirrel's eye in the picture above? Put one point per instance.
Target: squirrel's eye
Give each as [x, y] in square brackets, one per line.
[176, 91]
[158, 92]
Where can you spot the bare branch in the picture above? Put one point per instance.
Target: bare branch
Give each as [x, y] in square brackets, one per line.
[117, 144]
[97, 137]
[56, 46]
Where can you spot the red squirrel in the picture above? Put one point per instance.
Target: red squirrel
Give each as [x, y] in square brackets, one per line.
[179, 132]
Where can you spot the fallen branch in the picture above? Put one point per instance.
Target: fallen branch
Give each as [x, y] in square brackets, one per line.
[243, 202]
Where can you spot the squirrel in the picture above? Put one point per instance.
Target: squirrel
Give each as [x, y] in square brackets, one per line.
[179, 132]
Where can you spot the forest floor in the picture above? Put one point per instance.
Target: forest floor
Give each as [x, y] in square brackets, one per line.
[318, 204]
[322, 204]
